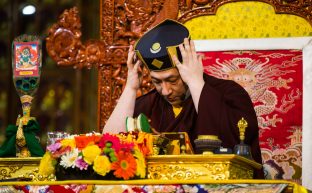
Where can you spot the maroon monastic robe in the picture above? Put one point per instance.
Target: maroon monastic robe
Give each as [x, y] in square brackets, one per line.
[222, 104]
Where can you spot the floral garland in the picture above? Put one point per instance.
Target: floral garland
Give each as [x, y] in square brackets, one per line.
[121, 156]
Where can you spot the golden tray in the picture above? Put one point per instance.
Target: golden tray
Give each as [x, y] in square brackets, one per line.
[200, 167]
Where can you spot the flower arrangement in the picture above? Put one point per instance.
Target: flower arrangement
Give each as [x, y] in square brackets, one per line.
[106, 156]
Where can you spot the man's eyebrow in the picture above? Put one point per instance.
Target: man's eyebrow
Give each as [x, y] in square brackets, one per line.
[165, 79]
[172, 77]
[153, 78]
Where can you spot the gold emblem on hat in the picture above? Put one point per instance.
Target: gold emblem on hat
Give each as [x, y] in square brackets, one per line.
[158, 64]
[155, 48]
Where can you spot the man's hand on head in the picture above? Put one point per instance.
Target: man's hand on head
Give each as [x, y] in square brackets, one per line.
[191, 67]
[191, 70]
[134, 78]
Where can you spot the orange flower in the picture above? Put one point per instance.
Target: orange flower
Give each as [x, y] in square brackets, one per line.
[83, 141]
[126, 165]
[97, 138]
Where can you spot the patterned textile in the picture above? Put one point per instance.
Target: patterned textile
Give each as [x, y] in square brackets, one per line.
[185, 188]
[247, 19]
[273, 80]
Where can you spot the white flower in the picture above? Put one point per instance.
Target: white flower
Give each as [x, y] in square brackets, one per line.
[69, 159]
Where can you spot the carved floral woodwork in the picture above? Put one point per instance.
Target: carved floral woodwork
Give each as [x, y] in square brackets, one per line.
[122, 23]
[64, 43]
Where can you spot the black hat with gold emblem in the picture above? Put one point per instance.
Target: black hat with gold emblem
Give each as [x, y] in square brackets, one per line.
[157, 46]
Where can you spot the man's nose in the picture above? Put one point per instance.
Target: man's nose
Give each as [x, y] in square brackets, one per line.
[166, 89]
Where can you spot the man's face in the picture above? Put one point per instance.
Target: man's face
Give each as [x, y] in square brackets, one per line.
[169, 84]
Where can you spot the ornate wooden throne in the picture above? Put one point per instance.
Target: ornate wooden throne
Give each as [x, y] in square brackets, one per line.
[124, 21]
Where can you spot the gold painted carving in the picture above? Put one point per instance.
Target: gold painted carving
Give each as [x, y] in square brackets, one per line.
[173, 172]
[187, 171]
[195, 8]
[21, 168]
[8, 171]
[200, 167]
[239, 172]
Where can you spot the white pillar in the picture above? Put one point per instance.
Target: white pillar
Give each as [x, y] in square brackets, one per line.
[307, 117]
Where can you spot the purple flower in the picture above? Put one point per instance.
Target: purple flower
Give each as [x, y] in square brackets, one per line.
[81, 164]
[54, 147]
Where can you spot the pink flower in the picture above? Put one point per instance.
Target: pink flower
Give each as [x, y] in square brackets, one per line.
[61, 152]
[54, 147]
[108, 138]
[81, 164]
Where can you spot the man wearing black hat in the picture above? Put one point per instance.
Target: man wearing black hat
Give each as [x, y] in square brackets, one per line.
[184, 98]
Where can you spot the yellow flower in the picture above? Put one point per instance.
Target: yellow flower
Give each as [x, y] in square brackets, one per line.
[141, 166]
[46, 166]
[90, 152]
[102, 165]
[141, 137]
[126, 138]
[68, 142]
